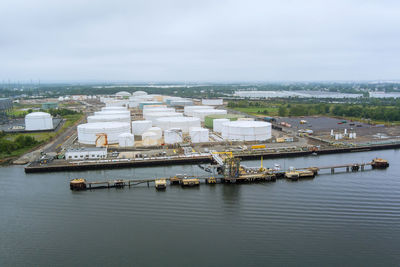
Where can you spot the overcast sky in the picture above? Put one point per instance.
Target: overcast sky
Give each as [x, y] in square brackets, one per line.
[186, 40]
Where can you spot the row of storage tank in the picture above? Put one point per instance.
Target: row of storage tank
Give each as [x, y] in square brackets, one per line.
[115, 122]
[139, 99]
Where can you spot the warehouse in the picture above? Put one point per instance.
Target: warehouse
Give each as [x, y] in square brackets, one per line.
[86, 153]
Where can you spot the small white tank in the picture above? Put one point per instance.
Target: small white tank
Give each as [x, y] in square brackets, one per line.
[150, 139]
[126, 140]
[217, 124]
[139, 127]
[173, 136]
[199, 135]
[157, 131]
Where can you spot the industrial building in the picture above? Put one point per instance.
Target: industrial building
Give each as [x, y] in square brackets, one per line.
[86, 153]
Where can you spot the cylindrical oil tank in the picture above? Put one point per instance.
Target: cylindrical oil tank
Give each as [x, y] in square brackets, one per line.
[135, 100]
[202, 113]
[212, 102]
[150, 139]
[153, 116]
[139, 93]
[199, 135]
[112, 112]
[245, 119]
[188, 110]
[144, 103]
[183, 123]
[146, 107]
[37, 121]
[126, 140]
[173, 136]
[109, 118]
[116, 103]
[123, 94]
[181, 102]
[217, 124]
[139, 127]
[113, 108]
[157, 131]
[246, 130]
[208, 120]
[87, 132]
[152, 110]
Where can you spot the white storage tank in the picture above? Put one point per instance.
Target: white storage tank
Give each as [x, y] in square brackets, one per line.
[135, 100]
[146, 107]
[188, 110]
[123, 94]
[126, 140]
[199, 135]
[150, 139]
[181, 102]
[156, 130]
[173, 136]
[152, 110]
[202, 113]
[139, 127]
[183, 123]
[139, 93]
[217, 124]
[212, 102]
[245, 119]
[116, 103]
[113, 108]
[153, 116]
[246, 130]
[37, 121]
[87, 132]
[112, 112]
[109, 118]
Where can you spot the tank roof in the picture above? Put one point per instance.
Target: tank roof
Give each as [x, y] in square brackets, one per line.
[38, 114]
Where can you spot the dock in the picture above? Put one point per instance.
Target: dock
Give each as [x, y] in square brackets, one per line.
[246, 175]
[63, 165]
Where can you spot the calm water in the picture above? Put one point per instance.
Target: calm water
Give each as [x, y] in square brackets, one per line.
[347, 219]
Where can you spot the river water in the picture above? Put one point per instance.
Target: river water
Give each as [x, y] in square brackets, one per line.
[346, 219]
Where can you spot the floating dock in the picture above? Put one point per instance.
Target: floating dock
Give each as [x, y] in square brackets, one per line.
[247, 175]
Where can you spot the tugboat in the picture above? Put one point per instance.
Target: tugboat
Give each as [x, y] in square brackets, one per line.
[378, 163]
[160, 184]
[292, 174]
[77, 184]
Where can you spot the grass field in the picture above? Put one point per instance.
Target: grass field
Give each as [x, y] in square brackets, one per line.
[259, 111]
[42, 137]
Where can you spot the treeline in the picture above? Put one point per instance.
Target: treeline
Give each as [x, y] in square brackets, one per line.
[61, 112]
[378, 112]
[22, 141]
[199, 91]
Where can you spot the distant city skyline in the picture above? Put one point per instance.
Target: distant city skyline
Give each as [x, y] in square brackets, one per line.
[199, 41]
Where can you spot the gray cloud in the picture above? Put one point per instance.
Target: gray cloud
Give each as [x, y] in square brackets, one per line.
[179, 40]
